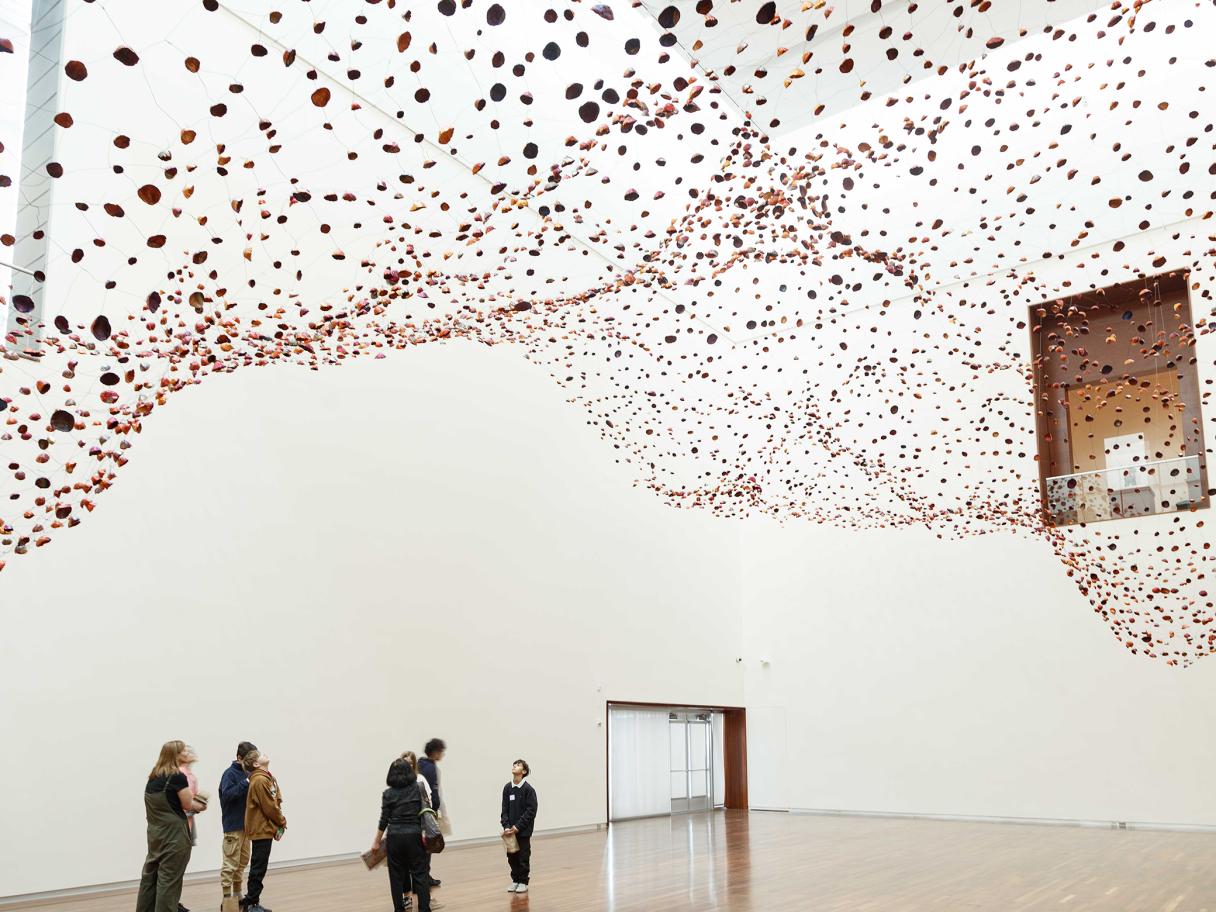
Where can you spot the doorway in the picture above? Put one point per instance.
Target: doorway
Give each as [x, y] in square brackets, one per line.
[691, 742]
[665, 759]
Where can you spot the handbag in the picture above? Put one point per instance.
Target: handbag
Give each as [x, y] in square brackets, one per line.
[373, 858]
[432, 835]
[510, 843]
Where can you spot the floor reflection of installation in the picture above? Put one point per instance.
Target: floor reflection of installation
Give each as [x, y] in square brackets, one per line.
[674, 760]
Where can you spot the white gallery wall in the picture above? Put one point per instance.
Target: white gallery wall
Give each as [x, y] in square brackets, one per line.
[339, 567]
[913, 675]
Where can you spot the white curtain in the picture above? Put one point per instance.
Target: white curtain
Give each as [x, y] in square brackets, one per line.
[639, 754]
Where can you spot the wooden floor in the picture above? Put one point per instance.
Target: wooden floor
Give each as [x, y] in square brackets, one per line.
[769, 862]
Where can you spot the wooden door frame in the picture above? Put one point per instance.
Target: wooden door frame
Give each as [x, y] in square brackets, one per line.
[734, 748]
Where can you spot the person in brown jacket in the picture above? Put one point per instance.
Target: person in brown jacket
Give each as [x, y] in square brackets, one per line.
[264, 825]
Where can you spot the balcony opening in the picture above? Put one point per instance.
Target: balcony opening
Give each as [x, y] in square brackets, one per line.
[1117, 403]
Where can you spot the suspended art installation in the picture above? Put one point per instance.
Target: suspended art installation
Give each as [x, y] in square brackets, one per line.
[857, 264]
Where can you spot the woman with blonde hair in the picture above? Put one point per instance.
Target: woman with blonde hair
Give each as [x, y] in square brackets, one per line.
[167, 799]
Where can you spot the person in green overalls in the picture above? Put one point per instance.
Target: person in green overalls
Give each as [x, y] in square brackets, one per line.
[167, 797]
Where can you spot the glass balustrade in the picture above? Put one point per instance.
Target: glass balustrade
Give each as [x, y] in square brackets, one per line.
[1142, 489]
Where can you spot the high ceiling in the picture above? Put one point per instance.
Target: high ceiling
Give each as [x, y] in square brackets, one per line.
[788, 62]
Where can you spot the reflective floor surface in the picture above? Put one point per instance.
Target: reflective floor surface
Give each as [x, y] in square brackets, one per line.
[771, 862]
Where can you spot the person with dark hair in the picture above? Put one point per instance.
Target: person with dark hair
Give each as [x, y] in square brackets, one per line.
[400, 822]
[428, 768]
[234, 786]
[412, 758]
[264, 824]
[518, 820]
[167, 798]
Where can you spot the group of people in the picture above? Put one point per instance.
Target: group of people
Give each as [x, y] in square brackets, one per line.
[413, 787]
[251, 805]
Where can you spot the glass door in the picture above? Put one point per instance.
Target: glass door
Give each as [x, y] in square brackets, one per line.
[700, 756]
[691, 742]
[677, 729]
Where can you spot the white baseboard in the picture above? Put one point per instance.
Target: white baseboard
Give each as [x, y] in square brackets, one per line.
[1020, 821]
[24, 900]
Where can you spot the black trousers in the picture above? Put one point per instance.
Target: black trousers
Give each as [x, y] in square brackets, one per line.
[407, 862]
[259, 858]
[521, 861]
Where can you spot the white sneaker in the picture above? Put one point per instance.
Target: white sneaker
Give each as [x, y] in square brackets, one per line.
[521, 888]
[512, 888]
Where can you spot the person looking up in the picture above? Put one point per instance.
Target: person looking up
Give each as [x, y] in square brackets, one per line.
[518, 819]
[264, 824]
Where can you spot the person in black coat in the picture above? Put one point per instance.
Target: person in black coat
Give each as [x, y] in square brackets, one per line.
[400, 820]
[519, 819]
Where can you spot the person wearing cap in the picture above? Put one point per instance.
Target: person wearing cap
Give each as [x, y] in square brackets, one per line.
[234, 786]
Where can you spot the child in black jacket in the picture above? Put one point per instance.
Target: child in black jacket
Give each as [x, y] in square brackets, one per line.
[519, 819]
